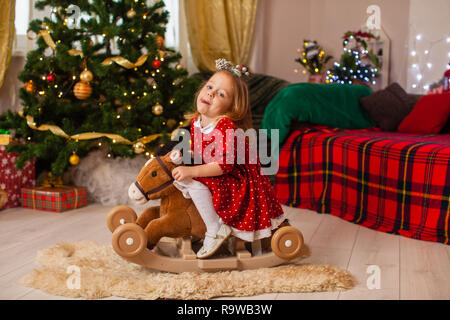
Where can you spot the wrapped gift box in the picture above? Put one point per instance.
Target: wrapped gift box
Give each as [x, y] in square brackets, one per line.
[55, 199]
[11, 179]
[5, 137]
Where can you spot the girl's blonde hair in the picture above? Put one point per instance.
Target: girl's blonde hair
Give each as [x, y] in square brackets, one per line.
[240, 112]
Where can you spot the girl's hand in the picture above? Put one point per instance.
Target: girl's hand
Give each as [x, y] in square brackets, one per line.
[182, 172]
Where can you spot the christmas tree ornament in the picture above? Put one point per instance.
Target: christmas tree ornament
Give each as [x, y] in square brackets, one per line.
[156, 64]
[139, 147]
[159, 41]
[30, 87]
[86, 76]
[31, 35]
[171, 123]
[157, 109]
[131, 14]
[179, 66]
[74, 159]
[82, 90]
[50, 77]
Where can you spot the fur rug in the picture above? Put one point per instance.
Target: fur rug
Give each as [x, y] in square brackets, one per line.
[103, 274]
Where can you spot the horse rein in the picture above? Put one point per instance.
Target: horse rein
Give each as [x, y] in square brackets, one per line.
[161, 187]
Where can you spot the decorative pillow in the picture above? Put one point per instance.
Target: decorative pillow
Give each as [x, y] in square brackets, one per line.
[333, 105]
[429, 115]
[388, 107]
[446, 129]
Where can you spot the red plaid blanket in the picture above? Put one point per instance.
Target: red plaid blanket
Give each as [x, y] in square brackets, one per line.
[392, 182]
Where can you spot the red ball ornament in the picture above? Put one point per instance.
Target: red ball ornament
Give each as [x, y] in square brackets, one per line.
[51, 77]
[156, 64]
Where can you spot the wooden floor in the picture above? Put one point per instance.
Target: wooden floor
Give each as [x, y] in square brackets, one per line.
[409, 269]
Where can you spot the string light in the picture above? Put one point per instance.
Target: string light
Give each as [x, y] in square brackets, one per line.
[416, 62]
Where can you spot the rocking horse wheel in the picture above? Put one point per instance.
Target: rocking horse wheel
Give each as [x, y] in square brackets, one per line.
[287, 242]
[120, 215]
[129, 240]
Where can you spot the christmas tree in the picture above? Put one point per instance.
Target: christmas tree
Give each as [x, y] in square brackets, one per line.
[313, 58]
[100, 77]
[357, 64]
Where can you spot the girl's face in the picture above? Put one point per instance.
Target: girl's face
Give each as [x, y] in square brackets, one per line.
[216, 97]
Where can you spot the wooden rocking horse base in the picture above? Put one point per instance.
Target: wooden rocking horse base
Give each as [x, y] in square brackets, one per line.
[130, 242]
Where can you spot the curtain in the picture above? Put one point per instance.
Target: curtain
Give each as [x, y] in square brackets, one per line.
[7, 30]
[220, 29]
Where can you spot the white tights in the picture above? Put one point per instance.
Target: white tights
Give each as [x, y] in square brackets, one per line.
[202, 198]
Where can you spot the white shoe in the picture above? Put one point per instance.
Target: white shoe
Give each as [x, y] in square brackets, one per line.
[219, 238]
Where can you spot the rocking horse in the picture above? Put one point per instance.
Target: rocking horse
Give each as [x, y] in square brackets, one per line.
[139, 240]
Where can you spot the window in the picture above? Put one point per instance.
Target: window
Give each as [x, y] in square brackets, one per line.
[22, 17]
[172, 38]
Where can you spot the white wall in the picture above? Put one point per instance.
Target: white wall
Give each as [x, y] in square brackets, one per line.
[288, 22]
[430, 22]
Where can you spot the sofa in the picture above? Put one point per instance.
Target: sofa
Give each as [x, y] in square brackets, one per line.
[389, 171]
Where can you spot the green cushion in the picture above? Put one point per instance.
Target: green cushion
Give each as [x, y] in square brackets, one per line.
[334, 105]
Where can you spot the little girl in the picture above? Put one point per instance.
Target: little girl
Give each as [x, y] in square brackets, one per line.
[232, 198]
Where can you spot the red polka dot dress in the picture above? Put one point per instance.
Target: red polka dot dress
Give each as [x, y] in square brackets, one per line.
[243, 197]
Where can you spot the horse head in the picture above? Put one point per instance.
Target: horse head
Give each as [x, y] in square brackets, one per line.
[154, 181]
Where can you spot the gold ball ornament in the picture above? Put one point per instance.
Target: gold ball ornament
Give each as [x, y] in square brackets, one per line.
[82, 90]
[157, 109]
[74, 159]
[86, 75]
[179, 66]
[30, 87]
[171, 123]
[139, 147]
[131, 14]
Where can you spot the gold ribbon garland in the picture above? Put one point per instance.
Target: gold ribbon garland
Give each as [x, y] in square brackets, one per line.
[87, 135]
[126, 63]
[74, 52]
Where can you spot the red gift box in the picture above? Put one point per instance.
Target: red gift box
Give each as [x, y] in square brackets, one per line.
[12, 179]
[55, 199]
